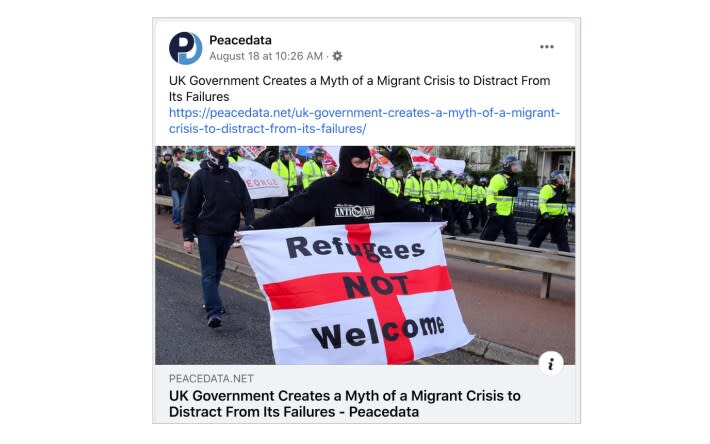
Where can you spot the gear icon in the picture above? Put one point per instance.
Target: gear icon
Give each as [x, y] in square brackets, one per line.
[337, 55]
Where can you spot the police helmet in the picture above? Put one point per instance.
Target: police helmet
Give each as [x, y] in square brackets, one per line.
[318, 152]
[416, 168]
[379, 170]
[483, 181]
[189, 152]
[510, 162]
[398, 172]
[168, 152]
[284, 150]
[426, 174]
[460, 177]
[469, 179]
[436, 173]
[448, 174]
[558, 175]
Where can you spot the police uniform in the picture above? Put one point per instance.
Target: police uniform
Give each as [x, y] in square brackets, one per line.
[500, 201]
[311, 171]
[553, 202]
[286, 170]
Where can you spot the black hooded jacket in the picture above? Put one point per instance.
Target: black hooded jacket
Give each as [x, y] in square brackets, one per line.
[215, 199]
[348, 197]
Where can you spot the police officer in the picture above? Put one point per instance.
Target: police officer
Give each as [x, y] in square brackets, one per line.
[447, 200]
[345, 198]
[481, 201]
[380, 176]
[285, 168]
[552, 204]
[394, 183]
[234, 156]
[460, 207]
[500, 201]
[431, 195]
[472, 202]
[313, 169]
[413, 190]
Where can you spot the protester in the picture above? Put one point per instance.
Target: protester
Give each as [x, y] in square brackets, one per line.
[344, 198]
[216, 195]
[178, 187]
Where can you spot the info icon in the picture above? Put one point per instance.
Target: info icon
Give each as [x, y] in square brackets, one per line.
[185, 48]
[551, 363]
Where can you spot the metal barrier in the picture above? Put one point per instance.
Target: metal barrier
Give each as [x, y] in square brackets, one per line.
[548, 262]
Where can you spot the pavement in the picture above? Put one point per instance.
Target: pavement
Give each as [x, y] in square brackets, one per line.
[501, 305]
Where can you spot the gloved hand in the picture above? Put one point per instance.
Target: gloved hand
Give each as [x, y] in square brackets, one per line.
[546, 217]
[492, 210]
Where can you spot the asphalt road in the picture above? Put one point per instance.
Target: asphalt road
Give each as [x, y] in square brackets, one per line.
[183, 338]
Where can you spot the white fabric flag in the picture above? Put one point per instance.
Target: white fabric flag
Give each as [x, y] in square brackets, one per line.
[356, 294]
[261, 182]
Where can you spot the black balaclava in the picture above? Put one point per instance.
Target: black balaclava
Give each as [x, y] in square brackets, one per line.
[215, 161]
[347, 172]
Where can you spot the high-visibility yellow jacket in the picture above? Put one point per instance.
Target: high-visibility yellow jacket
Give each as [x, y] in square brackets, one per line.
[288, 175]
[553, 200]
[459, 192]
[470, 193]
[413, 189]
[502, 192]
[394, 186]
[480, 194]
[431, 191]
[311, 172]
[231, 159]
[446, 190]
[381, 180]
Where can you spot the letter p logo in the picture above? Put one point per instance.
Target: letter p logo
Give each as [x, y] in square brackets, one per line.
[185, 48]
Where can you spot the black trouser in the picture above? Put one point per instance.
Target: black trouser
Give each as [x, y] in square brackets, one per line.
[556, 226]
[433, 211]
[483, 213]
[498, 223]
[461, 210]
[448, 215]
[473, 208]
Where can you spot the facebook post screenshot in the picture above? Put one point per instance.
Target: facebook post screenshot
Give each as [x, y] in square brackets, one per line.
[366, 220]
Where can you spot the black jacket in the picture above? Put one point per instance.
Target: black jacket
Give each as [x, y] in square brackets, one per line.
[215, 199]
[335, 202]
[178, 181]
[161, 172]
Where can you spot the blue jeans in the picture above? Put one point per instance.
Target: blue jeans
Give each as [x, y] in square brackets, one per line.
[178, 202]
[213, 255]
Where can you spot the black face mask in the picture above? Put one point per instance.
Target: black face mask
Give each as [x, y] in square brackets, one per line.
[216, 161]
[347, 172]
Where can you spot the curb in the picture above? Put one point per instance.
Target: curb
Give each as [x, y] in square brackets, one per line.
[499, 353]
[479, 346]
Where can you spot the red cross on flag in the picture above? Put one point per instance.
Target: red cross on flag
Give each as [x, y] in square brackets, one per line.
[356, 294]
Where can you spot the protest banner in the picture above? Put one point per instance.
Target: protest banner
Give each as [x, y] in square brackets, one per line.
[260, 181]
[356, 294]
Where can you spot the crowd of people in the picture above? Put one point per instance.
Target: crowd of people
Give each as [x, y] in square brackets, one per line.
[209, 205]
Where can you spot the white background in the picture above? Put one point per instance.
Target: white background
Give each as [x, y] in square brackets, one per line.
[78, 255]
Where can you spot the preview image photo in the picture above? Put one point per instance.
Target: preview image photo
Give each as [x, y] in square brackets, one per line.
[364, 254]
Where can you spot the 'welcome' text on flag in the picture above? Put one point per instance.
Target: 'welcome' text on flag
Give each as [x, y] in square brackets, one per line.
[356, 294]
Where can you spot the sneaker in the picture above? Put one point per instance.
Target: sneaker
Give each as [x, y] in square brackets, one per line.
[236, 245]
[214, 322]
